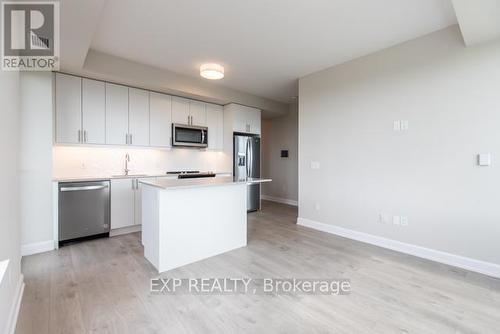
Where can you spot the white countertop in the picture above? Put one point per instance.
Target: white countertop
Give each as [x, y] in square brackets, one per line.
[112, 177]
[171, 184]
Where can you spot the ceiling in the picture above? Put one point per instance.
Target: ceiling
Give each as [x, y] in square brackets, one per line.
[479, 20]
[264, 45]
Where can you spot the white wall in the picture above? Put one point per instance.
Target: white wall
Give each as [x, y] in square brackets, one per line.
[451, 97]
[281, 133]
[10, 243]
[74, 161]
[36, 157]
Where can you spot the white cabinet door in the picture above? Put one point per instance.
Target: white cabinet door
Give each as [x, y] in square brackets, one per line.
[93, 111]
[180, 110]
[245, 119]
[138, 201]
[122, 203]
[160, 113]
[116, 114]
[198, 113]
[215, 125]
[240, 123]
[138, 117]
[253, 117]
[68, 108]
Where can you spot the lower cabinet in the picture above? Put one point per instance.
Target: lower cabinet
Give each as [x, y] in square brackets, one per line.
[125, 203]
[138, 202]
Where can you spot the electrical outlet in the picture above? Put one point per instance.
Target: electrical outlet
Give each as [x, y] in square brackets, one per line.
[382, 219]
[397, 126]
[82, 165]
[404, 125]
[315, 165]
[484, 159]
[404, 221]
[396, 220]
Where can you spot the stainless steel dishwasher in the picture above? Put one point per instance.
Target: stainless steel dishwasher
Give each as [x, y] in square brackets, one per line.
[84, 210]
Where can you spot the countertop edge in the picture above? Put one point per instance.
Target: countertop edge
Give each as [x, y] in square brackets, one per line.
[203, 185]
[111, 177]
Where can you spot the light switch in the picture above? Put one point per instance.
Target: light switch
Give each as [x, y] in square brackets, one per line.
[315, 165]
[404, 125]
[396, 220]
[397, 125]
[484, 159]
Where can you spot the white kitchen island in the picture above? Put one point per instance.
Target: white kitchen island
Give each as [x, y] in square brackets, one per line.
[187, 220]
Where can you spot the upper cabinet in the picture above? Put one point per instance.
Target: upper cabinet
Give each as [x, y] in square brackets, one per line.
[215, 116]
[180, 110]
[68, 109]
[243, 119]
[138, 117]
[93, 111]
[117, 115]
[189, 112]
[127, 116]
[253, 120]
[80, 110]
[160, 113]
[198, 113]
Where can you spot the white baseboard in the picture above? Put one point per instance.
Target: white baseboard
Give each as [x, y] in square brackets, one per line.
[45, 246]
[482, 267]
[37, 247]
[279, 200]
[16, 306]
[125, 230]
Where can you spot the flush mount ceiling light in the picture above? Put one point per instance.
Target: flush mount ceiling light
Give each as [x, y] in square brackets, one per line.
[212, 71]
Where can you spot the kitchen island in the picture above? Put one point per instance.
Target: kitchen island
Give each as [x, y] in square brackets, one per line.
[187, 220]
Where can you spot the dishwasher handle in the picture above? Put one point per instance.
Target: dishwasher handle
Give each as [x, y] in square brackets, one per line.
[84, 188]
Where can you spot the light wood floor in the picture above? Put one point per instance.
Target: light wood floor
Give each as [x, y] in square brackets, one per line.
[102, 286]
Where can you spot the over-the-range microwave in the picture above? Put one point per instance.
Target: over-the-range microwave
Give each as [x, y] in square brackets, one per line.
[189, 135]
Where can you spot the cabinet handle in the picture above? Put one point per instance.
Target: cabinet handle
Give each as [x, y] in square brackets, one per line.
[132, 184]
[84, 136]
[126, 138]
[131, 141]
[79, 136]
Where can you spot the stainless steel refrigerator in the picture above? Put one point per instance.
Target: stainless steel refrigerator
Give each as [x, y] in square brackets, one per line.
[247, 164]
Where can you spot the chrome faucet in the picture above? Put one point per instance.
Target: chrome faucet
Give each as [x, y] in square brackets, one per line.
[127, 160]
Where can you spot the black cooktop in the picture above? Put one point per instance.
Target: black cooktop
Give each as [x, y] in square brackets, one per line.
[191, 174]
[184, 172]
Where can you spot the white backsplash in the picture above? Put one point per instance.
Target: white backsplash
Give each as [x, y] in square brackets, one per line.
[74, 161]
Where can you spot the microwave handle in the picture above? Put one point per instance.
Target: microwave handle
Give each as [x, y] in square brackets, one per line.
[203, 136]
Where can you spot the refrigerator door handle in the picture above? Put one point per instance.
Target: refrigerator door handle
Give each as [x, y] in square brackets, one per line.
[246, 158]
[250, 158]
